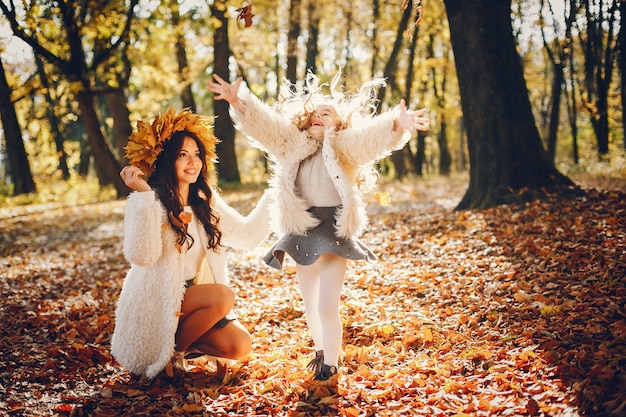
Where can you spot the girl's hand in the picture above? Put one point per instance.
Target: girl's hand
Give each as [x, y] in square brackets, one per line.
[223, 90]
[132, 178]
[408, 120]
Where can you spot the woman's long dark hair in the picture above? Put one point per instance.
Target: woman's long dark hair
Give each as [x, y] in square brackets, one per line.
[165, 183]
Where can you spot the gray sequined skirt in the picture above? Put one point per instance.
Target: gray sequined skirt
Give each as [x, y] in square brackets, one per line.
[320, 240]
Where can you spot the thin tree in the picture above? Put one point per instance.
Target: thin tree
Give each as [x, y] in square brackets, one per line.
[186, 94]
[599, 44]
[507, 160]
[227, 169]
[557, 51]
[292, 41]
[312, 49]
[374, 37]
[19, 167]
[622, 63]
[390, 74]
[55, 131]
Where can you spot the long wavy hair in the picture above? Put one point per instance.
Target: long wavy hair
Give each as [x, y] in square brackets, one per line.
[165, 183]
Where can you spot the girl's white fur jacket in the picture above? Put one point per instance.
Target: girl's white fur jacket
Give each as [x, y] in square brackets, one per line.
[146, 315]
[347, 155]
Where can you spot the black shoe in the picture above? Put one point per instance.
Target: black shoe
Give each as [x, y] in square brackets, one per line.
[325, 372]
[315, 363]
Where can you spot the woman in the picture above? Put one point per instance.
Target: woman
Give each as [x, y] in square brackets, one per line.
[175, 299]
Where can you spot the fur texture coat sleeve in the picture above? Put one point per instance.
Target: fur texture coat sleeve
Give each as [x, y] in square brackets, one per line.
[145, 318]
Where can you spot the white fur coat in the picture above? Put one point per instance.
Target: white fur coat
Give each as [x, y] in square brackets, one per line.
[346, 153]
[145, 319]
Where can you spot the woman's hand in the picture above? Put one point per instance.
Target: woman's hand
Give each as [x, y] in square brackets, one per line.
[408, 119]
[224, 90]
[132, 177]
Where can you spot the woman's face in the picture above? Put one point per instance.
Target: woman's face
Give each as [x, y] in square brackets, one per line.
[188, 164]
[321, 118]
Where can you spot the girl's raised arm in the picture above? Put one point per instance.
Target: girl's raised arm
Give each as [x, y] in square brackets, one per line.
[224, 90]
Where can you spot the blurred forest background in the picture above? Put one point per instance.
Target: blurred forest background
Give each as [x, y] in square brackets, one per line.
[76, 75]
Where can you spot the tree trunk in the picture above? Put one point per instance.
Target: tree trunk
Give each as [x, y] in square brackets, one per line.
[374, 42]
[52, 119]
[117, 103]
[622, 65]
[227, 167]
[391, 67]
[445, 160]
[599, 47]
[19, 167]
[107, 166]
[404, 157]
[621, 42]
[292, 41]
[507, 160]
[439, 91]
[186, 94]
[555, 107]
[312, 49]
[420, 154]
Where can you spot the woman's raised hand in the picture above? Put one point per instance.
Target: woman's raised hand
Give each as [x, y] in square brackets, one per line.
[132, 177]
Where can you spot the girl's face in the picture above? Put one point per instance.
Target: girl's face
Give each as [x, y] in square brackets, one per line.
[321, 118]
[188, 164]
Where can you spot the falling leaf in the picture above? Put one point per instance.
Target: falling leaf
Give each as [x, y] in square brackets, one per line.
[245, 14]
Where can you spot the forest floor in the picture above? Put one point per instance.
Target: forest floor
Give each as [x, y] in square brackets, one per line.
[515, 310]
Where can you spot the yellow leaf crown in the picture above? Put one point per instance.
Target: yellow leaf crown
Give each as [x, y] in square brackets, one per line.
[145, 145]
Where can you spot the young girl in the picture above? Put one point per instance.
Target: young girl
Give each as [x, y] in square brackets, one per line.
[323, 148]
[176, 298]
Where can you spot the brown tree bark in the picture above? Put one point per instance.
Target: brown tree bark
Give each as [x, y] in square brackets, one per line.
[19, 167]
[292, 41]
[312, 49]
[599, 47]
[507, 160]
[117, 103]
[186, 94]
[227, 168]
[106, 165]
[52, 119]
[622, 64]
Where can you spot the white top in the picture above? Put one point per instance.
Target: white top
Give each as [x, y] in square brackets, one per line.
[314, 184]
[195, 254]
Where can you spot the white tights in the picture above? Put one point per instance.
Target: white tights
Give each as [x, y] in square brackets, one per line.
[320, 286]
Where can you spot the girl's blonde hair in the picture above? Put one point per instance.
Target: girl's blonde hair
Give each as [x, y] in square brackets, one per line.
[298, 101]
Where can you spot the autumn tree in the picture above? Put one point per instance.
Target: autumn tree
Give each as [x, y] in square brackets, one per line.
[312, 48]
[292, 40]
[224, 129]
[558, 51]
[181, 57]
[507, 159]
[83, 45]
[599, 44]
[19, 167]
[55, 130]
[621, 42]
[390, 74]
